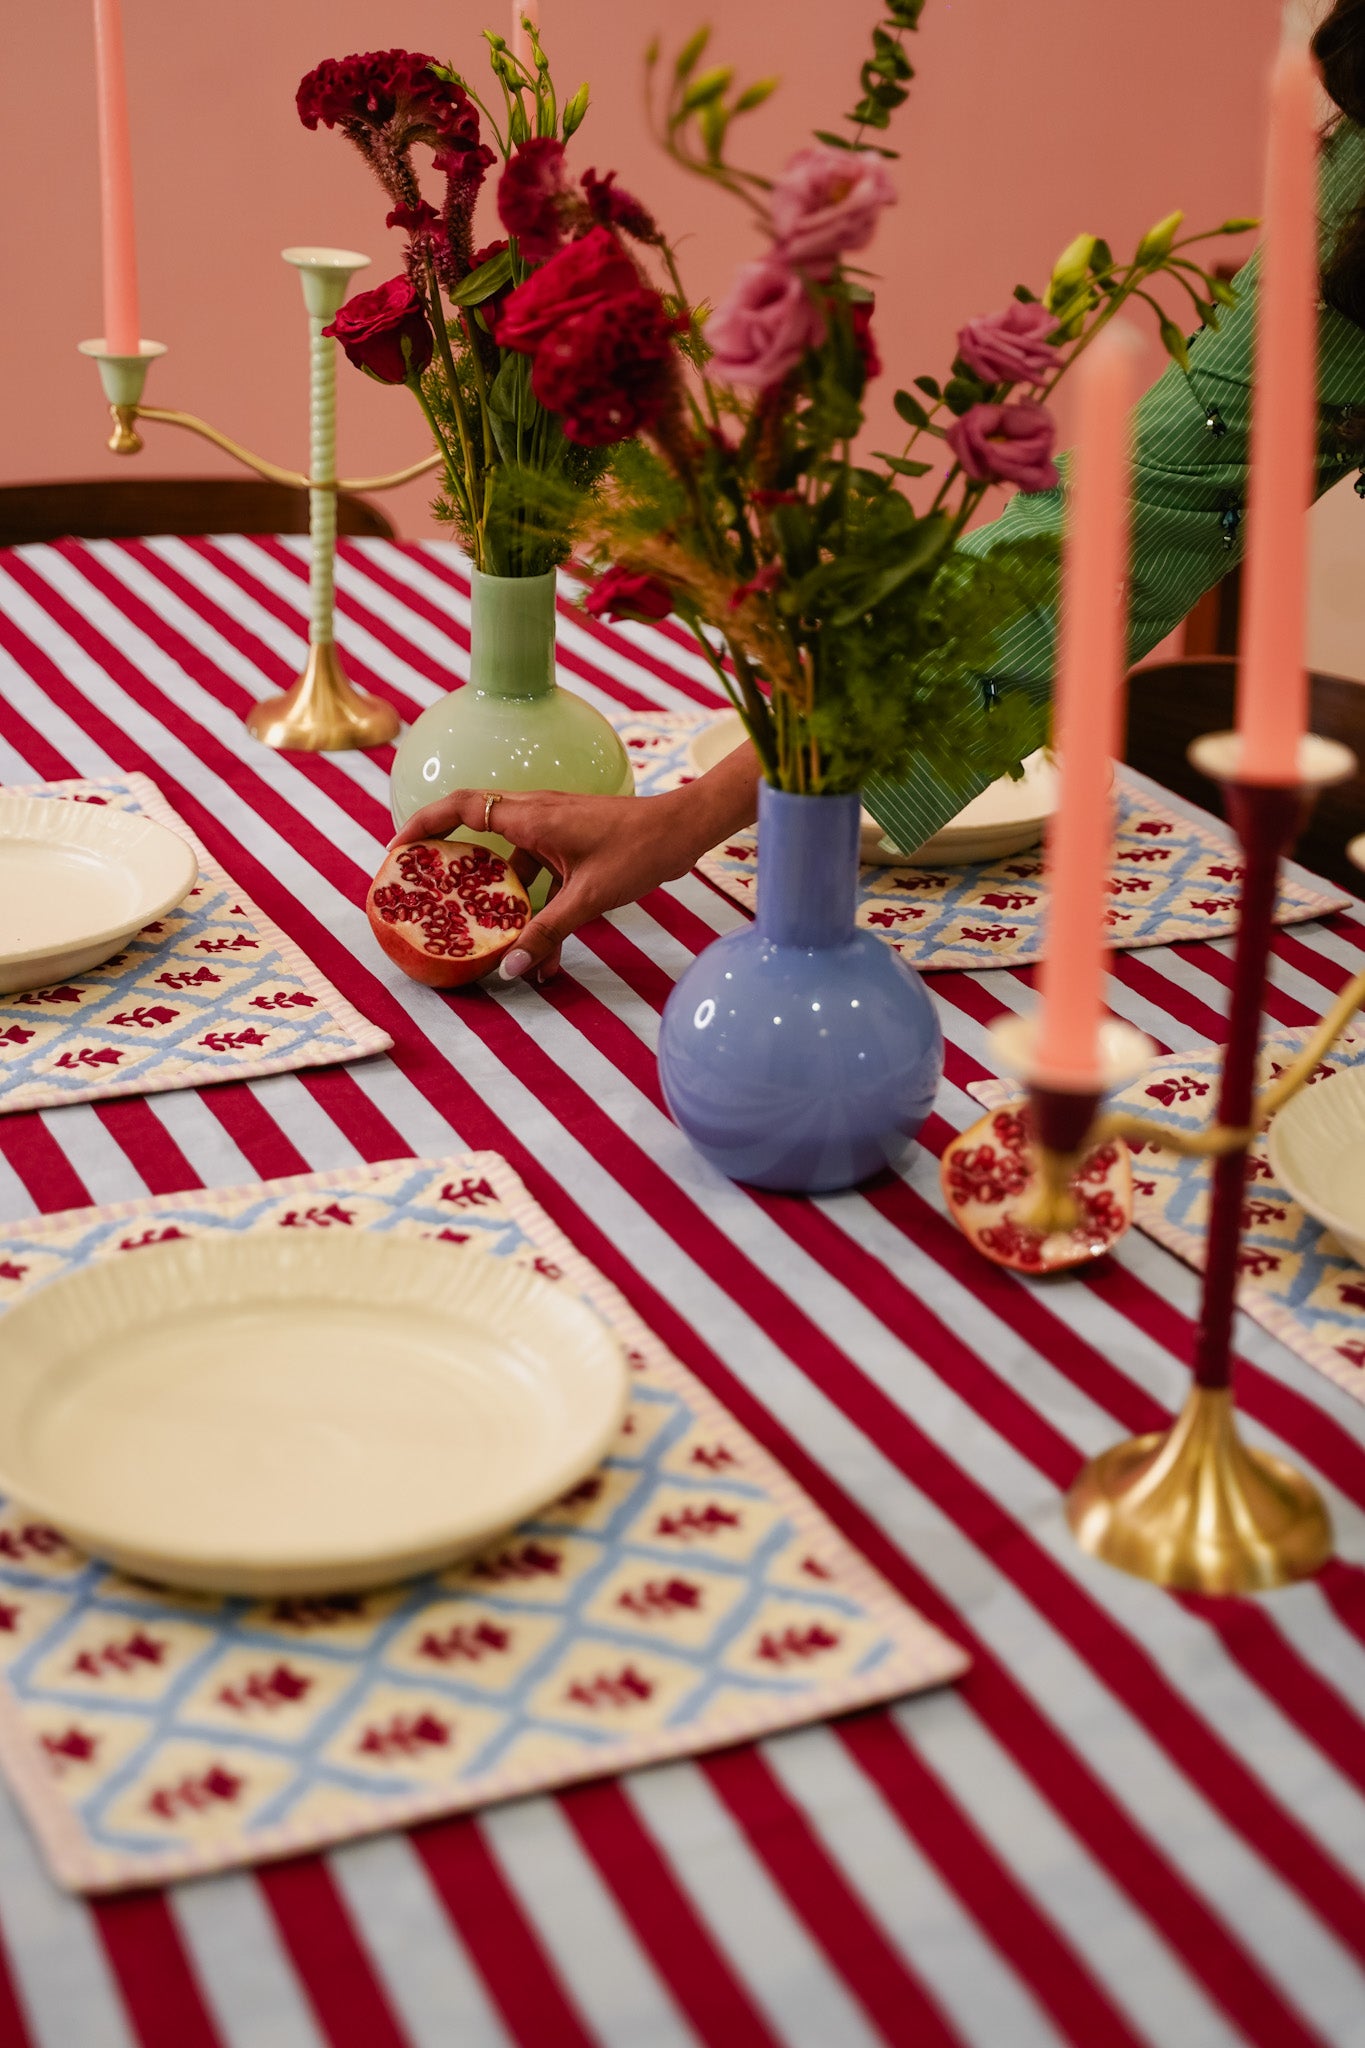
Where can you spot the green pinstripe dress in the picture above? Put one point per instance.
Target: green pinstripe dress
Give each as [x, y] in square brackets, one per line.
[1189, 487]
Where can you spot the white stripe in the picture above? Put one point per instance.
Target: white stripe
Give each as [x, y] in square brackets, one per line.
[613, 1981]
[903, 1892]
[1144, 1977]
[69, 1991]
[432, 1985]
[748, 1918]
[100, 1160]
[241, 1964]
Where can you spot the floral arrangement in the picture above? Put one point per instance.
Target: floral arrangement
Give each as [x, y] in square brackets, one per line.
[706, 464]
[512, 384]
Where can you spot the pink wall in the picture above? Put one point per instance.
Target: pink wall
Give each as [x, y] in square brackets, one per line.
[1027, 124]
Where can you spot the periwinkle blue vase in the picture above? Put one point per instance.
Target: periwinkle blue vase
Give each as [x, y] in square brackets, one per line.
[801, 1053]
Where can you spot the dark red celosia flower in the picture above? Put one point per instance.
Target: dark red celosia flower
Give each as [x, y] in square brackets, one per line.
[373, 326]
[414, 220]
[864, 339]
[613, 208]
[531, 196]
[627, 594]
[395, 90]
[765, 499]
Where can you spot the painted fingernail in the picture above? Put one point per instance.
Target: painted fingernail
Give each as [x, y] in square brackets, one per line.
[515, 965]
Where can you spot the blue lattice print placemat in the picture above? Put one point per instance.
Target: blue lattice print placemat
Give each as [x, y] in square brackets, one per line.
[1296, 1279]
[1172, 878]
[686, 1596]
[212, 992]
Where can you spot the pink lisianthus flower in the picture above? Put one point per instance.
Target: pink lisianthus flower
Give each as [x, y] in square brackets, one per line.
[828, 201]
[1010, 444]
[760, 332]
[1010, 347]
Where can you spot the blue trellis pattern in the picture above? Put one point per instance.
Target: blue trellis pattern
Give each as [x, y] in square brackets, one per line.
[1172, 879]
[1296, 1279]
[686, 1595]
[212, 992]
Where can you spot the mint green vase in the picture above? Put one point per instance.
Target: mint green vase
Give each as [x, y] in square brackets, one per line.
[510, 726]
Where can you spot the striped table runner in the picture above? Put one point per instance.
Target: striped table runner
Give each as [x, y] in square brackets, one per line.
[1139, 1819]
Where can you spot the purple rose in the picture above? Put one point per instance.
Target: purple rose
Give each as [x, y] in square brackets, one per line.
[1010, 347]
[828, 200]
[764, 327]
[1006, 444]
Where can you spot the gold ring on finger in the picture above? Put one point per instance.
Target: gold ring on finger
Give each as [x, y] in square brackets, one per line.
[490, 798]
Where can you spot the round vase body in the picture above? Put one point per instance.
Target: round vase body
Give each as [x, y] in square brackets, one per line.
[801, 1053]
[510, 726]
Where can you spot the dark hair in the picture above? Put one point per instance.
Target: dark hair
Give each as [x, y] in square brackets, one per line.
[1339, 47]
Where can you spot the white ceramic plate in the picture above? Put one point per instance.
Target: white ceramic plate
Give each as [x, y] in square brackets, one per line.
[1005, 818]
[1317, 1151]
[281, 1413]
[76, 881]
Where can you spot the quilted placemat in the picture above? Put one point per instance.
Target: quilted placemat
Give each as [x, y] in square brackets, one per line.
[686, 1596]
[212, 992]
[1296, 1279]
[1172, 879]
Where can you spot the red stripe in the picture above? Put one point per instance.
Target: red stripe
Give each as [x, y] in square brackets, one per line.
[351, 2004]
[40, 1162]
[165, 2006]
[835, 1918]
[662, 1917]
[1053, 1970]
[254, 1131]
[536, 2005]
[134, 1125]
[14, 2029]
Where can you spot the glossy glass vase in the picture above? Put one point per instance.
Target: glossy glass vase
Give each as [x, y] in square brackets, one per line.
[801, 1053]
[510, 726]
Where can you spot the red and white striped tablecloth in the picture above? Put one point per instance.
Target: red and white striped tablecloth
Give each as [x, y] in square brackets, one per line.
[1140, 1818]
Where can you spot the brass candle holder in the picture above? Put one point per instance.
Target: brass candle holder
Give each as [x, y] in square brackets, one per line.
[323, 711]
[1194, 1507]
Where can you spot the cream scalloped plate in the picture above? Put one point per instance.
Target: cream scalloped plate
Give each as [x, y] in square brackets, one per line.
[77, 881]
[1006, 818]
[279, 1413]
[1317, 1151]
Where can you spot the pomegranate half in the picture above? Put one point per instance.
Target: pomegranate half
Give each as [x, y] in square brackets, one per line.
[446, 911]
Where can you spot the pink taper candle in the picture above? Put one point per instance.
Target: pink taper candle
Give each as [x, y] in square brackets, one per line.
[524, 10]
[1087, 724]
[122, 325]
[1272, 700]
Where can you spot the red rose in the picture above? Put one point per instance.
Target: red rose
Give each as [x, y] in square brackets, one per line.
[626, 594]
[373, 326]
[608, 372]
[608, 204]
[531, 196]
[588, 272]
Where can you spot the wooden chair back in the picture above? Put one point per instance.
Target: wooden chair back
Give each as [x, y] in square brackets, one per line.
[1171, 703]
[124, 508]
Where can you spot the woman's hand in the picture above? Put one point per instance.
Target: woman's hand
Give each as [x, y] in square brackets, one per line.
[602, 851]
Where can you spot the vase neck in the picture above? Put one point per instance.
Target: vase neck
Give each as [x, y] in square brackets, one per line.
[807, 867]
[512, 635]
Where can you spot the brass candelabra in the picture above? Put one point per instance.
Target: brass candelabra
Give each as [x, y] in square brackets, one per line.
[1194, 1506]
[323, 711]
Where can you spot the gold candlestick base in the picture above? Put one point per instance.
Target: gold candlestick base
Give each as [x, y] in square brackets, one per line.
[323, 712]
[1195, 1509]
